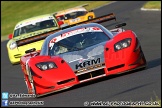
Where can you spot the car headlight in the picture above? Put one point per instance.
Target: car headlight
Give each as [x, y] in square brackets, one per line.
[46, 65]
[122, 44]
[13, 45]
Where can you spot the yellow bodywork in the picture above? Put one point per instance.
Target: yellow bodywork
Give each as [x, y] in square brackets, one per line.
[85, 17]
[16, 53]
[80, 19]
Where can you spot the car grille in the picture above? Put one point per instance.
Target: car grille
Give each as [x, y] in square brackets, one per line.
[66, 81]
[17, 55]
[91, 75]
[116, 67]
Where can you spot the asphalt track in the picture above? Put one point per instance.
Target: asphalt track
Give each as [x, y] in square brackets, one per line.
[142, 85]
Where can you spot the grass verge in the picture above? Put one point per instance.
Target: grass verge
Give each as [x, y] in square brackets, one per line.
[14, 11]
[153, 5]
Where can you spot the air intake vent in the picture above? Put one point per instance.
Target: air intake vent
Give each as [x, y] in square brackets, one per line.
[116, 67]
[91, 74]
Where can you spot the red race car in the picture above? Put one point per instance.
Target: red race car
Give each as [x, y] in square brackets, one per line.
[79, 54]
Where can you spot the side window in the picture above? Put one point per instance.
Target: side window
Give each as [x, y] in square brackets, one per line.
[81, 13]
[67, 16]
[16, 32]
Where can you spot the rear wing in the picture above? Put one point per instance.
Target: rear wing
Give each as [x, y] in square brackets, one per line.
[99, 20]
[42, 36]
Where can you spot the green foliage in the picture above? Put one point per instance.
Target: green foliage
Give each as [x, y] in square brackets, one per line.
[14, 11]
[153, 5]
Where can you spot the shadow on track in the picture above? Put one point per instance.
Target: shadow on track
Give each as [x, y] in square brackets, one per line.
[154, 63]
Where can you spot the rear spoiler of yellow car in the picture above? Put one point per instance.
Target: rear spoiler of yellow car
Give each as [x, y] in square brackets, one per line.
[39, 37]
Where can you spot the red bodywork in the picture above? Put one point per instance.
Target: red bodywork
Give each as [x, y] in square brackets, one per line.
[63, 77]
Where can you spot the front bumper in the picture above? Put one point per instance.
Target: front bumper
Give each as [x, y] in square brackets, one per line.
[15, 54]
[54, 85]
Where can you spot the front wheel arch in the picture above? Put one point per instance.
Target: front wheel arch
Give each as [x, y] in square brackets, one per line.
[30, 85]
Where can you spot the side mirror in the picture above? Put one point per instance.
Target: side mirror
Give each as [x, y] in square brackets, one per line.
[120, 25]
[30, 50]
[10, 36]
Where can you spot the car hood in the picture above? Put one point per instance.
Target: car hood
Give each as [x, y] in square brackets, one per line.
[85, 58]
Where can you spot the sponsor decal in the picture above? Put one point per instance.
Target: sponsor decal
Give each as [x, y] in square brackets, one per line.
[74, 32]
[87, 63]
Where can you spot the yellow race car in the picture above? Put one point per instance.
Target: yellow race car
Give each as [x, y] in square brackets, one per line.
[74, 15]
[29, 33]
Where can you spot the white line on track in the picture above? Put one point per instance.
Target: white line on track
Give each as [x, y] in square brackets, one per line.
[144, 9]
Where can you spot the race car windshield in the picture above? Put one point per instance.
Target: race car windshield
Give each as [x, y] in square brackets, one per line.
[75, 14]
[35, 27]
[77, 42]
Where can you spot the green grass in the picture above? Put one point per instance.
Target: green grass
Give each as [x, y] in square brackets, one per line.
[152, 101]
[14, 11]
[153, 5]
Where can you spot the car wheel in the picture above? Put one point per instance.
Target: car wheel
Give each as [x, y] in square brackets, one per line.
[89, 17]
[30, 85]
